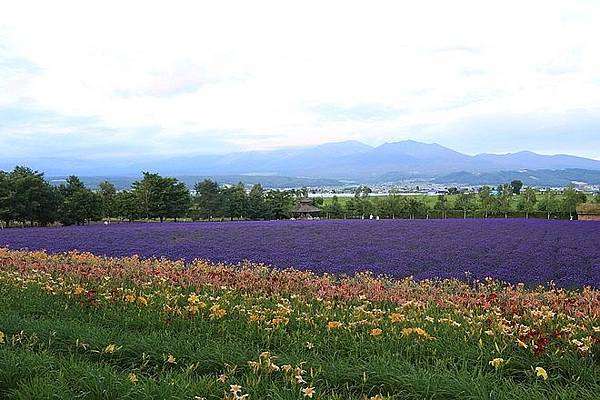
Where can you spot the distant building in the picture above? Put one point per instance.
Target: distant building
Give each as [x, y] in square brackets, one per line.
[588, 212]
[305, 208]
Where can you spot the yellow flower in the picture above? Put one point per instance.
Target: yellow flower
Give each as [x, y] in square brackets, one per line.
[171, 359]
[397, 317]
[254, 365]
[254, 317]
[376, 332]
[1, 337]
[497, 362]
[193, 298]
[539, 371]
[78, 290]
[222, 378]
[235, 389]
[521, 344]
[216, 312]
[130, 298]
[331, 325]
[309, 391]
[142, 300]
[376, 397]
[111, 348]
[132, 378]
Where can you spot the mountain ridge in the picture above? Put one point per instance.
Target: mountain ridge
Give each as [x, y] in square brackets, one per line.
[350, 159]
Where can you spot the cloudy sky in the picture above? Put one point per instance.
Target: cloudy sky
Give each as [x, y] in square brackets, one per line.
[129, 79]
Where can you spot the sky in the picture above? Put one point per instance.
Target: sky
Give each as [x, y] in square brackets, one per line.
[127, 79]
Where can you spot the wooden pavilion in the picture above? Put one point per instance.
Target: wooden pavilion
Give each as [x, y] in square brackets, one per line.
[588, 212]
[305, 208]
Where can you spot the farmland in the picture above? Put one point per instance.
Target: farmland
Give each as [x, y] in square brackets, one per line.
[514, 250]
[214, 311]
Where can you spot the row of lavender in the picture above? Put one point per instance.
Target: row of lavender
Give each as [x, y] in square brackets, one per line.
[529, 251]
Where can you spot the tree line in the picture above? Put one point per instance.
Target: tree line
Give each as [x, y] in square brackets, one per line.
[26, 197]
[486, 202]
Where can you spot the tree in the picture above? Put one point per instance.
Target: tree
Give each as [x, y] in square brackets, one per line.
[527, 201]
[257, 208]
[572, 197]
[333, 209]
[6, 195]
[127, 206]
[79, 204]
[415, 207]
[549, 203]
[516, 186]
[441, 205]
[235, 201]
[208, 199]
[504, 197]
[32, 199]
[107, 194]
[177, 198]
[161, 197]
[279, 203]
[465, 203]
[486, 200]
[596, 197]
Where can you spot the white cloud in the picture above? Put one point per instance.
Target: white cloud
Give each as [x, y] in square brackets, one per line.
[263, 70]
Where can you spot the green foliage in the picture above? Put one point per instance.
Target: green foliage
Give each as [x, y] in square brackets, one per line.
[207, 200]
[161, 197]
[516, 186]
[572, 197]
[79, 204]
[234, 201]
[30, 198]
[279, 203]
[108, 193]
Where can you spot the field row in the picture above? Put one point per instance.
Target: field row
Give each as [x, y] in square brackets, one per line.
[131, 328]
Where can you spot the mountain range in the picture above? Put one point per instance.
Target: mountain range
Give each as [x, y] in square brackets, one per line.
[349, 160]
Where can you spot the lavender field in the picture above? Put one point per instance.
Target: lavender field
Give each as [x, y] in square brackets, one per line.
[529, 251]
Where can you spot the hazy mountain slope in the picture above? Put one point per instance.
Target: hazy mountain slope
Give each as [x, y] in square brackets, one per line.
[342, 160]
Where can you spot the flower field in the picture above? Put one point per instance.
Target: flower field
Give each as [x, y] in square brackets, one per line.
[513, 250]
[76, 325]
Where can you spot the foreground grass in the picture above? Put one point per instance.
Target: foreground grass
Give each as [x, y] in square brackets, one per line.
[78, 326]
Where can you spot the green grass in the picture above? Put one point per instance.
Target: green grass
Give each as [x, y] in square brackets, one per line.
[54, 348]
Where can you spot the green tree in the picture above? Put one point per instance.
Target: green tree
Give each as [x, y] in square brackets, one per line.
[571, 197]
[257, 207]
[107, 193]
[208, 199]
[516, 186]
[486, 200]
[596, 198]
[279, 203]
[235, 201]
[333, 209]
[504, 198]
[161, 197]
[465, 202]
[527, 201]
[441, 205]
[416, 207]
[127, 206]
[549, 203]
[79, 204]
[6, 195]
[32, 199]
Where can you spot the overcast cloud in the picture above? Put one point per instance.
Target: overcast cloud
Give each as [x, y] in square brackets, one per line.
[129, 79]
